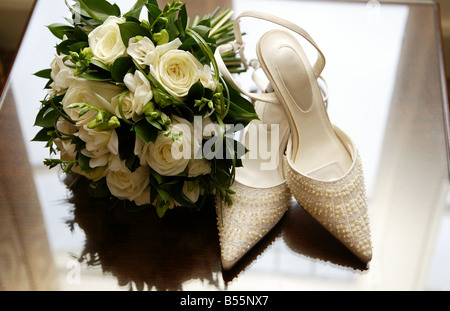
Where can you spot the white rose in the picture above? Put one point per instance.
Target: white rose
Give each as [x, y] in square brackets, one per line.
[141, 94]
[128, 107]
[141, 50]
[191, 190]
[146, 53]
[166, 156]
[97, 94]
[100, 145]
[106, 42]
[61, 75]
[160, 50]
[127, 185]
[178, 70]
[197, 167]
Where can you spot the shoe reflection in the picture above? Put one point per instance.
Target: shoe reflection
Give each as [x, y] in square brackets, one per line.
[304, 235]
[143, 251]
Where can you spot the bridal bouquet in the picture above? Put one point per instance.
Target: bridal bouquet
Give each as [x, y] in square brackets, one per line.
[138, 106]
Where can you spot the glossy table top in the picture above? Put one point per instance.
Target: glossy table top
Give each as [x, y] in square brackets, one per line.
[387, 91]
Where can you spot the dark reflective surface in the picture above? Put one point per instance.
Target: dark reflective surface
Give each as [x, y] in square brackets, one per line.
[143, 251]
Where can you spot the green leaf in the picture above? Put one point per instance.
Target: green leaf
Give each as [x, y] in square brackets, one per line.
[145, 131]
[153, 11]
[100, 10]
[64, 46]
[183, 16]
[238, 115]
[83, 162]
[164, 195]
[45, 73]
[241, 110]
[197, 91]
[202, 30]
[96, 76]
[153, 2]
[121, 67]
[77, 47]
[43, 134]
[154, 123]
[129, 30]
[46, 117]
[79, 34]
[99, 64]
[59, 30]
[157, 177]
[135, 11]
[161, 209]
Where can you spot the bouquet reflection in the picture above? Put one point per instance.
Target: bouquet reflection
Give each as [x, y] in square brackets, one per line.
[142, 250]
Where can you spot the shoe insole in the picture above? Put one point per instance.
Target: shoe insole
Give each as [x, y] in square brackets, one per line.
[316, 149]
[262, 165]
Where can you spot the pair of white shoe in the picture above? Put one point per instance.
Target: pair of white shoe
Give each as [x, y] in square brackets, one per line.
[318, 163]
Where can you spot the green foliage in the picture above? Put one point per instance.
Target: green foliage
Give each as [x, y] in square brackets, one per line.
[223, 104]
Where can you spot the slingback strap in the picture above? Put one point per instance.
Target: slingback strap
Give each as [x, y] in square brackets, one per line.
[269, 97]
[237, 47]
[320, 62]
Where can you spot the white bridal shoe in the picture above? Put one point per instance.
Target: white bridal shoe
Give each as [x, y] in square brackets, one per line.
[261, 194]
[322, 167]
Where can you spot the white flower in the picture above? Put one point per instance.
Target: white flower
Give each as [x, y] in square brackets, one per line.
[141, 50]
[100, 145]
[106, 42]
[160, 50]
[127, 185]
[144, 198]
[68, 153]
[65, 146]
[96, 94]
[61, 75]
[191, 190]
[207, 79]
[178, 70]
[168, 156]
[128, 107]
[141, 94]
[146, 53]
[197, 167]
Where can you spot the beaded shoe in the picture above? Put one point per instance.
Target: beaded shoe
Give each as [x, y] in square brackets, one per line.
[322, 165]
[261, 195]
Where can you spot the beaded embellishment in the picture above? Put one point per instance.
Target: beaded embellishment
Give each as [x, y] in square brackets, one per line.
[340, 206]
[252, 215]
